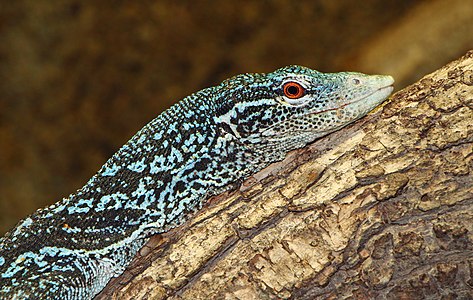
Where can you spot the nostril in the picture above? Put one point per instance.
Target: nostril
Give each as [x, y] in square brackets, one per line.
[356, 81]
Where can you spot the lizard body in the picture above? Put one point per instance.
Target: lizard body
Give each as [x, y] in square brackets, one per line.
[156, 181]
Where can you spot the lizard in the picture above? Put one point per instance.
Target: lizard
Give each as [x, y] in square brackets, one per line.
[199, 147]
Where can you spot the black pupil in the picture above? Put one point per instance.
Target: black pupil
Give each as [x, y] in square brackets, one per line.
[293, 90]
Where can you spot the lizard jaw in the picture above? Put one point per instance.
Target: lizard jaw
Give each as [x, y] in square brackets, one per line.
[365, 103]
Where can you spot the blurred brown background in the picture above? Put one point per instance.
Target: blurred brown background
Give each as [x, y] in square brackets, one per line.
[79, 78]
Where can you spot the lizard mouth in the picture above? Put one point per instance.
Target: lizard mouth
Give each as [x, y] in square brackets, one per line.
[370, 100]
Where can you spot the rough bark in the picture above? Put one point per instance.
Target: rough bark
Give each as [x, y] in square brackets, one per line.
[381, 209]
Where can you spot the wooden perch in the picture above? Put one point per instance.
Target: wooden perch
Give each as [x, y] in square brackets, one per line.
[381, 209]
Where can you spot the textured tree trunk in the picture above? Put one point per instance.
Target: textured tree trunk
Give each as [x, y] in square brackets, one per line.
[381, 209]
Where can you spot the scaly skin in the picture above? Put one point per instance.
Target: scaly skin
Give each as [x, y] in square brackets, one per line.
[193, 150]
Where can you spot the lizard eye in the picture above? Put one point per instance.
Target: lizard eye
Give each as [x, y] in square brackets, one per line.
[293, 90]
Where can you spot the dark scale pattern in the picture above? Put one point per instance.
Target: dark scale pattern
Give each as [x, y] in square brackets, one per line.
[195, 149]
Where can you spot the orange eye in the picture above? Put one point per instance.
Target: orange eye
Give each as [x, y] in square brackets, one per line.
[293, 90]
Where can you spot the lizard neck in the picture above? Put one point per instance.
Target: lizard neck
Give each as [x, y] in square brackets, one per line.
[163, 174]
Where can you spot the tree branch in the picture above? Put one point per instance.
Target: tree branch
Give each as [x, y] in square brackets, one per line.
[382, 208]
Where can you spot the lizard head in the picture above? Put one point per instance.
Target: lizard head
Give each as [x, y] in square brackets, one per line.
[293, 106]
